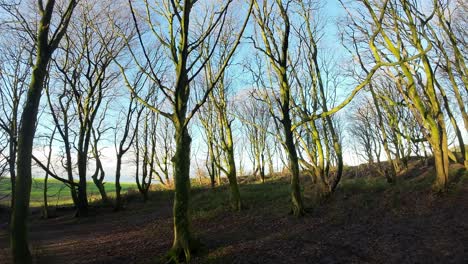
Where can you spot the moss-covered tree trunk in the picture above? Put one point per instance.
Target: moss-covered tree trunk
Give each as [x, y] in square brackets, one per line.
[328, 122]
[320, 176]
[439, 144]
[463, 155]
[236, 202]
[227, 142]
[297, 207]
[184, 244]
[279, 62]
[19, 217]
[394, 168]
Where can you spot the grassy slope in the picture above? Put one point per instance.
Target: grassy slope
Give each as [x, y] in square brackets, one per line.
[365, 221]
[358, 204]
[273, 195]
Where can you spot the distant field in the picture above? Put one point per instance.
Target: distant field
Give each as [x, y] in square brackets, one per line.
[58, 193]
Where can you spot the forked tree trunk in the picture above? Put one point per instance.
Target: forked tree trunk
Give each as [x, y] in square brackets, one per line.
[441, 158]
[98, 177]
[102, 190]
[297, 207]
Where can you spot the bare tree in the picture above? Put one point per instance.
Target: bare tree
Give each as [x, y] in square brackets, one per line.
[147, 142]
[46, 39]
[123, 143]
[14, 73]
[256, 124]
[208, 121]
[276, 51]
[164, 151]
[364, 129]
[183, 40]
[86, 68]
[403, 36]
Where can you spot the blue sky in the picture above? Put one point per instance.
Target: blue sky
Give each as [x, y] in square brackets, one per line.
[331, 11]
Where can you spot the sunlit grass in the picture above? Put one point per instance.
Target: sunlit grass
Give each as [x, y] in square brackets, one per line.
[57, 193]
[260, 196]
[255, 194]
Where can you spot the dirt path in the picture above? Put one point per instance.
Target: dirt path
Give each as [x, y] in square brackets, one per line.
[410, 228]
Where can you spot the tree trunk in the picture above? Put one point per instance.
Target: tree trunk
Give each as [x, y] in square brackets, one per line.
[184, 244]
[145, 196]
[102, 190]
[456, 128]
[297, 208]
[19, 216]
[46, 214]
[82, 206]
[69, 167]
[118, 187]
[12, 163]
[271, 169]
[441, 159]
[339, 169]
[212, 171]
[262, 167]
[394, 168]
[236, 202]
[12, 152]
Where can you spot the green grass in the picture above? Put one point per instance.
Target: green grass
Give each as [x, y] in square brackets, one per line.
[257, 195]
[58, 193]
[254, 195]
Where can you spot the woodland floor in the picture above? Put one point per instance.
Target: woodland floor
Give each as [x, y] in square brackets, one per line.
[365, 221]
